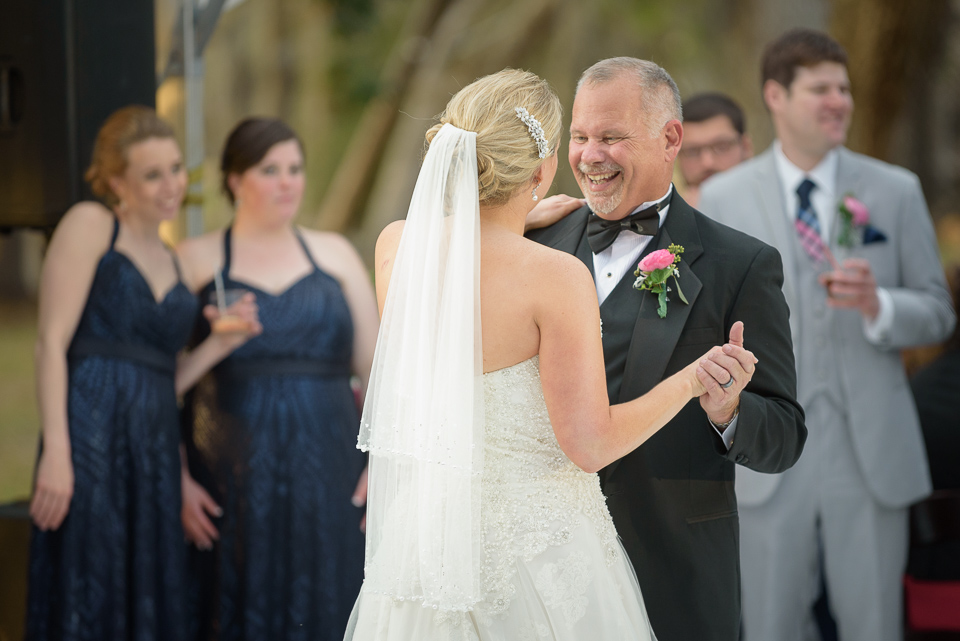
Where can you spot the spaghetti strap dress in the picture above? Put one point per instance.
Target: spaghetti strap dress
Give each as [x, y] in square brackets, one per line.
[272, 435]
[116, 567]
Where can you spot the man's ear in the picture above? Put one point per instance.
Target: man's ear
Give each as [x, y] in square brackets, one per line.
[774, 95]
[673, 138]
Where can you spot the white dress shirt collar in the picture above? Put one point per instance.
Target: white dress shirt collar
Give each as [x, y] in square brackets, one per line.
[824, 176]
[612, 264]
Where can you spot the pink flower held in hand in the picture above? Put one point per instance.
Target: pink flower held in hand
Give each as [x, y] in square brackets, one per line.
[859, 211]
[656, 260]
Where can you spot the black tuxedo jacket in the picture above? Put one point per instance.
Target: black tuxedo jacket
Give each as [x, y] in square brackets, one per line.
[672, 499]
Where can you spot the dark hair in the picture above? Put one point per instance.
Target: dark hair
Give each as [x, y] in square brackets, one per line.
[124, 128]
[798, 48]
[704, 106]
[248, 143]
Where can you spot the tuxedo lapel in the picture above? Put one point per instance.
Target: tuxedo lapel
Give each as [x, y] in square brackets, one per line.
[583, 251]
[655, 338]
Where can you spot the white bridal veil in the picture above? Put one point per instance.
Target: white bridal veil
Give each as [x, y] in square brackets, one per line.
[423, 416]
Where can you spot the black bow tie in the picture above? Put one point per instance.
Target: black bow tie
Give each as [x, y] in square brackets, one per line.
[602, 232]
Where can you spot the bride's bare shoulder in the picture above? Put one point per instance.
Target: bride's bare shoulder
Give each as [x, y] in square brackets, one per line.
[388, 241]
[545, 260]
[555, 272]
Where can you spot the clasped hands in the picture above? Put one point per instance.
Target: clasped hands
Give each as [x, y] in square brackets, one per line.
[723, 373]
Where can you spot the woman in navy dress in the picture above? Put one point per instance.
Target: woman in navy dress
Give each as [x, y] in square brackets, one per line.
[274, 427]
[107, 555]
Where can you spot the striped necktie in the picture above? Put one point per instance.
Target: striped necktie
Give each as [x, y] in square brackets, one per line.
[807, 225]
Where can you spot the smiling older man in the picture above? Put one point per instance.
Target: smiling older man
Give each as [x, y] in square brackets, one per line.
[672, 499]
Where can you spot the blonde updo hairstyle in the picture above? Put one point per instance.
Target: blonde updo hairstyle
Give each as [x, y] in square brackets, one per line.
[507, 154]
[123, 129]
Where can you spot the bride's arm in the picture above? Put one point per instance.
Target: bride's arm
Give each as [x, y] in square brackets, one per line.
[590, 431]
[386, 251]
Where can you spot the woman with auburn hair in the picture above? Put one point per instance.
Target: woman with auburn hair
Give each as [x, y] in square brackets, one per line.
[107, 558]
[273, 429]
[487, 414]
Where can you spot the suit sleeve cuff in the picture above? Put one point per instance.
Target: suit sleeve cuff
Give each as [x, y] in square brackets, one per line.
[727, 435]
[878, 330]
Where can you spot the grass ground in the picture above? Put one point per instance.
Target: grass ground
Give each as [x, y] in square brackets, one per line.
[19, 423]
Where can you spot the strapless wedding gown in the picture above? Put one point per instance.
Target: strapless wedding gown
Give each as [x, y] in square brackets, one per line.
[553, 567]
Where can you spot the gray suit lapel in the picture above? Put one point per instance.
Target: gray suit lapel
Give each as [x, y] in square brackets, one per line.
[777, 223]
[849, 181]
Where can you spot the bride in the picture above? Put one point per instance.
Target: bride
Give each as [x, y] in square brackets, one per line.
[487, 414]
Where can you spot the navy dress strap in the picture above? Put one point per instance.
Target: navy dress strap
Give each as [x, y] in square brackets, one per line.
[306, 250]
[226, 251]
[176, 265]
[116, 231]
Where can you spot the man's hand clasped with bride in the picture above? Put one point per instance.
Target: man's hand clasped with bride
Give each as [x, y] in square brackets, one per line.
[724, 372]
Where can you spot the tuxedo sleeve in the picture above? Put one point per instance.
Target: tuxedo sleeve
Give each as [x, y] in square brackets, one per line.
[770, 427]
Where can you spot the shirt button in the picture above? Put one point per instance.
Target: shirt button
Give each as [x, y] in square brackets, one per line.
[609, 275]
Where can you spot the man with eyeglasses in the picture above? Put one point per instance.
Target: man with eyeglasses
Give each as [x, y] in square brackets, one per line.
[714, 140]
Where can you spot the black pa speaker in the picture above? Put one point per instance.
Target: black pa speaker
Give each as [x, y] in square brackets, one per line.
[65, 65]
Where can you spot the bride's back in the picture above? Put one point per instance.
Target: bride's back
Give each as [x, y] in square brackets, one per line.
[516, 117]
[515, 293]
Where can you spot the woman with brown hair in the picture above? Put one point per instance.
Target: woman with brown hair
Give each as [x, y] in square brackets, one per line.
[274, 428]
[107, 558]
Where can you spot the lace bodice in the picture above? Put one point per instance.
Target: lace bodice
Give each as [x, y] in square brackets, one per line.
[534, 497]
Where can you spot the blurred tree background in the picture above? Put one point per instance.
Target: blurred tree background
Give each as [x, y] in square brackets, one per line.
[362, 80]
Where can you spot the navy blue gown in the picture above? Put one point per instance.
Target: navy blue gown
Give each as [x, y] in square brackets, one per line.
[273, 439]
[115, 569]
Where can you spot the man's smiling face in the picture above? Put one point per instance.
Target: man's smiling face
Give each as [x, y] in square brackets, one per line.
[813, 115]
[618, 162]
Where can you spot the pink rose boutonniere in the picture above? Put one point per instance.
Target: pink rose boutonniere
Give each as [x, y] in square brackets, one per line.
[654, 270]
[854, 216]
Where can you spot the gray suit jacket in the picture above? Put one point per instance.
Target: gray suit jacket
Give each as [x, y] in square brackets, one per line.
[882, 417]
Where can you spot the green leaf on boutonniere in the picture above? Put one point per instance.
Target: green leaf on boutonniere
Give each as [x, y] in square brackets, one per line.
[654, 270]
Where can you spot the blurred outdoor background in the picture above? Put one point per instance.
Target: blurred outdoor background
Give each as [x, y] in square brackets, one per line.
[361, 81]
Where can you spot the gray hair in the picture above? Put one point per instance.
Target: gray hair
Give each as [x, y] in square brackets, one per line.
[660, 95]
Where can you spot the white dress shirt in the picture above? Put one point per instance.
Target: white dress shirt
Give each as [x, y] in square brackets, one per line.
[613, 263]
[825, 201]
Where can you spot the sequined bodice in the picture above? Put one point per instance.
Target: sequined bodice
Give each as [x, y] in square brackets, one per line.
[534, 497]
[519, 443]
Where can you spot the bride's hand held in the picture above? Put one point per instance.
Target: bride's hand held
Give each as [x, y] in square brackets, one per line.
[724, 372]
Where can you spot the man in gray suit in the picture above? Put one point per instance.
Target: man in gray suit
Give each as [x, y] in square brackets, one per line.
[862, 281]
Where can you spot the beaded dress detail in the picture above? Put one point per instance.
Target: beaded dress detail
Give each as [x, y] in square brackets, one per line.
[553, 568]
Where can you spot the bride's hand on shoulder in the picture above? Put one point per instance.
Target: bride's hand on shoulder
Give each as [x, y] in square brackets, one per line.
[550, 210]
